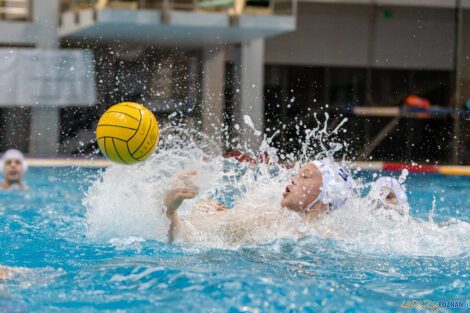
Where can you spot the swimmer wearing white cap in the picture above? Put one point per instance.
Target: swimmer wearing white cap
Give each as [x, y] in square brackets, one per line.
[317, 188]
[393, 195]
[13, 166]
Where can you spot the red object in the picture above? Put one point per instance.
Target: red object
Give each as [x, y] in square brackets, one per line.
[387, 166]
[237, 155]
[414, 101]
[411, 168]
[246, 158]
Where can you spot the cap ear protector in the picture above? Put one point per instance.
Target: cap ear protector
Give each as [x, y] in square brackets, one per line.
[13, 154]
[337, 185]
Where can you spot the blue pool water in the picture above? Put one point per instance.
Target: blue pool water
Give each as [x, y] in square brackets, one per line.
[44, 231]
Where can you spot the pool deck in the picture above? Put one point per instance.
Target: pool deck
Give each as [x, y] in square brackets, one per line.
[373, 165]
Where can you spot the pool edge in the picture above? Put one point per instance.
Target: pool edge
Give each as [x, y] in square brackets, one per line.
[371, 166]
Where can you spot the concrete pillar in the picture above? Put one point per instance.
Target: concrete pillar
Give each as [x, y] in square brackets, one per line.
[45, 127]
[213, 78]
[15, 132]
[46, 18]
[465, 62]
[45, 120]
[249, 89]
[462, 84]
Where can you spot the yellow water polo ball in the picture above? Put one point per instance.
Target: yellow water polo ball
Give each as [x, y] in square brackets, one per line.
[127, 133]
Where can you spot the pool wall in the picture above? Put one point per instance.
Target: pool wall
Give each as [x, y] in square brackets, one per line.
[374, 166]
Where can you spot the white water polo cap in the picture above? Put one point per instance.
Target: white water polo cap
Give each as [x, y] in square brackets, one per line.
[13, 154]
[395, 185]
[337, 185]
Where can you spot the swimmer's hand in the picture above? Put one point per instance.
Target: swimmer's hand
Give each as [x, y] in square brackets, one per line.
[182, 188]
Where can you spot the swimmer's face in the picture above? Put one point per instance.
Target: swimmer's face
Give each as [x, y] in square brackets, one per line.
[13, 170]
[304, 189]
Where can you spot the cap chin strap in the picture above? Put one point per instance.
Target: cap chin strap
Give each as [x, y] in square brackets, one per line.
[325, 177]
[314, 202]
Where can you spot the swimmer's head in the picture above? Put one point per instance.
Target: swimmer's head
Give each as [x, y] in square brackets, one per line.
[13, 166]
[388, 198]
[305, 187]
[393, 190]
[318, 185]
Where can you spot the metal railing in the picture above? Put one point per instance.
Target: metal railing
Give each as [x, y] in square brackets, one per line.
[16, 10]
[232, 7]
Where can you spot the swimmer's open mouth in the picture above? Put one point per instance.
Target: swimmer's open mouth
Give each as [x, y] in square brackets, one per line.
[286, 192]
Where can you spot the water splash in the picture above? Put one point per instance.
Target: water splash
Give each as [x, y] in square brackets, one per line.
[127, 202]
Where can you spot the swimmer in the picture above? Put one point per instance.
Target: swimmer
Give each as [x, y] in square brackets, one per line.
[13, 166]
[392, 196]
[316, 189]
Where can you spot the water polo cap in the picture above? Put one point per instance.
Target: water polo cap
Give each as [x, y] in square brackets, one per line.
[13, 154]
[337, 185]
[395, 185]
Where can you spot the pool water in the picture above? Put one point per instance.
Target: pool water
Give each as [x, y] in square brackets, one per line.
[45, 232]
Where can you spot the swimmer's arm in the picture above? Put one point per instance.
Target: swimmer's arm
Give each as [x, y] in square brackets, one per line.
[176, 226]
[173, 200]
[183, 189]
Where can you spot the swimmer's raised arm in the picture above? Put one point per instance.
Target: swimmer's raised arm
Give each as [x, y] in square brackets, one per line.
[182, 188]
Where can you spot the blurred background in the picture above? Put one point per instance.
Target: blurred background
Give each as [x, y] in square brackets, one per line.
[399, 70]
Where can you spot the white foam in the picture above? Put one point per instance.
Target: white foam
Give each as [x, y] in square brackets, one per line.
[249, 122]
[127, 202]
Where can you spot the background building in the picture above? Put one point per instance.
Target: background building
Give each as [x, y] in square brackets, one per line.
[215, 61]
